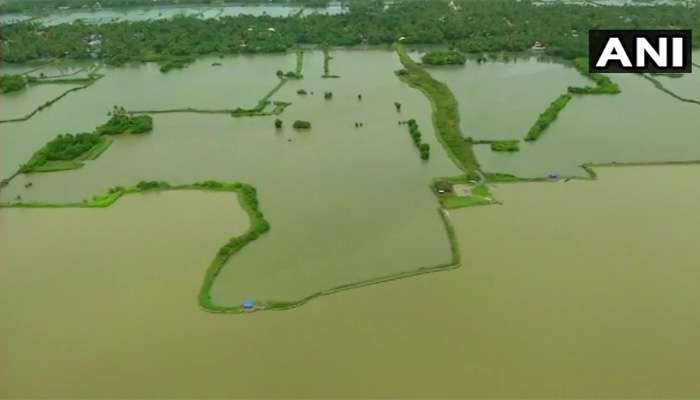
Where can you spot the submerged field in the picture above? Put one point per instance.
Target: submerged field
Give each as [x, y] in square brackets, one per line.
[574, 281]
[335, 219]
[641, 124]
[501, 99]
[596, 282]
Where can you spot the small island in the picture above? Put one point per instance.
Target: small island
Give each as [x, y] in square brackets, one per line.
[123, 122]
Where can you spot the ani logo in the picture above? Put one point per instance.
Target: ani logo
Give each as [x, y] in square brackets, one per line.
[634, 51]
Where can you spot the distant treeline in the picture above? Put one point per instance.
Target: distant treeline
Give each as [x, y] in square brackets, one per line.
[472, 26]
[16, 6]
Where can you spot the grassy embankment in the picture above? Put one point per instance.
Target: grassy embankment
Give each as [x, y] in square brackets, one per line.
[603, 85]
[445, 114]
[326, 64]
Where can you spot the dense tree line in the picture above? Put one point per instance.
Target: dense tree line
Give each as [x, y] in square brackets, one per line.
[444, 58]
[472, 26]
[16, 6]
[416, 136]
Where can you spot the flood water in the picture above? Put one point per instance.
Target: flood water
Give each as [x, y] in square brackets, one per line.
[106, 15]
[641, 124]
[335, 219]
[578, 289]
[501, 100]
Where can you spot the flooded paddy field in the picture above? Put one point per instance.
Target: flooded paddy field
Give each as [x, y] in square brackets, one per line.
[685, 85]
[641, 124]
[335, 219]
[500, 100]
[565, 286]
[237, 82]
[562, 287]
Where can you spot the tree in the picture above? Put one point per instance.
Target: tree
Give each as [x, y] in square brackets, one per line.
[278, 123]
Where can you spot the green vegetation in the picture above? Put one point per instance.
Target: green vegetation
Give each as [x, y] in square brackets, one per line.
[122, 122]
[423, 148]
[603, 84]
[547, 117]
[12, 83]
[278, 123]
[445, 112]
[62, 153]
[460, 192]
[476, 26]
[168, 64]
[247, 197]
[298, 124]
[31, 6]
[259, 109]
[326, 64]
[453, 57]
[505, 145]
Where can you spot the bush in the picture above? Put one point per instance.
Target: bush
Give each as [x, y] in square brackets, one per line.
[12, 83]
[149, 185]
[505, 145]
[278, 123]
[298, 124]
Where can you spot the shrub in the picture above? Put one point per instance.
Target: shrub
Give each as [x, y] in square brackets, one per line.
[12, 83]
[298, 124]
